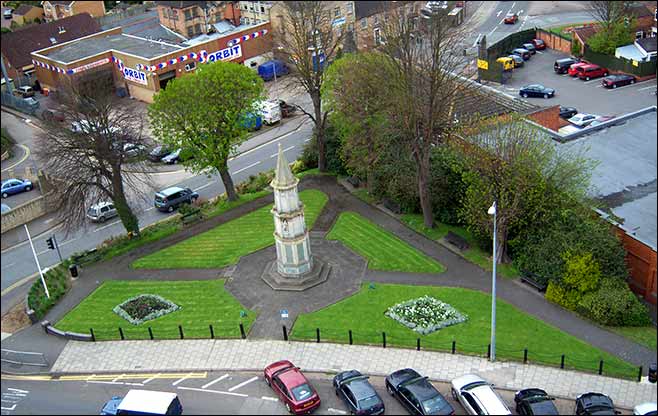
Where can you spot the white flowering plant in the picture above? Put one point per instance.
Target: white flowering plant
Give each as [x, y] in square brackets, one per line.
[142, 308]
[425, 314]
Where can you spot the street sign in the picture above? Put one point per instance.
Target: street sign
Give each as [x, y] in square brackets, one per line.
[284, 313]
[482, 64]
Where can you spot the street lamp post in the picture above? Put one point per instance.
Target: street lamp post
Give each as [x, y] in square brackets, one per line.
[492, 211]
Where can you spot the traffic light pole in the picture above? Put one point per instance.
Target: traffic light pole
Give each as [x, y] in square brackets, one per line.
[57, 247]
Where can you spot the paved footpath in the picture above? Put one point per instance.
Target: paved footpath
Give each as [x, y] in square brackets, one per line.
[248, 355]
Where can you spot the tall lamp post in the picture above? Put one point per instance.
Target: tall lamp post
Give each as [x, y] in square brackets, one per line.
[492, 211]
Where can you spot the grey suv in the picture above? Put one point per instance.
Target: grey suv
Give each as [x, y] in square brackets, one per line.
[169, 199]
[101, 212]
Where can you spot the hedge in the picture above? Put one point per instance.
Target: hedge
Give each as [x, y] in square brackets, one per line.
[58, 281]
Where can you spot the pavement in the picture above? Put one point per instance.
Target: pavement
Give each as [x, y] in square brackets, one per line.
[246, 355]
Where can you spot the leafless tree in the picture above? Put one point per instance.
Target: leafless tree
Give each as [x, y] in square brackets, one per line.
[96, 162]
[607, 12]
[307, 40]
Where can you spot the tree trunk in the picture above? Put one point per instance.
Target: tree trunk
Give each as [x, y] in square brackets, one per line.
[501, 244]
[423, 190]
[319, 131]
[126, 215]
[228, 183]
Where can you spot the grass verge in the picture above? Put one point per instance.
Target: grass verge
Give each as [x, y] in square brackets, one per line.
[363, 313]
[383, 250]
[559, 30]
[645, 335]
[58, 281]
[202, 303]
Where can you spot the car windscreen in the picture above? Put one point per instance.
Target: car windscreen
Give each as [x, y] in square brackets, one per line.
[91, 211]
[368, 402]
[302, 392]
[159, 198]
[434, 404]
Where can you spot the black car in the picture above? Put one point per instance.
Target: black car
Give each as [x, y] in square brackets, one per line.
[530, 47]
[561, 66]
[536, 90]
[417, 394]
[518, 61]
[619, 80]
[357, 393]
[158, 153]
[522, 52]
[567, 112]
[534, 402]
[595, 404]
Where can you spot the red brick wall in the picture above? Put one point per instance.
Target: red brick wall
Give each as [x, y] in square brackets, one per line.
[641, 261]
[554, 42]
[547, 117]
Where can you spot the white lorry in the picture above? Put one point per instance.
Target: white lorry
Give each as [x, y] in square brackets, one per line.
[270, 112]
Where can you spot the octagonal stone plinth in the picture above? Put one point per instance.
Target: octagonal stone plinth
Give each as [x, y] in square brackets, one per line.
[319, 273]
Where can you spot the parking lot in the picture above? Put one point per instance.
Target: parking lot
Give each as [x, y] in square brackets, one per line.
[586, 96]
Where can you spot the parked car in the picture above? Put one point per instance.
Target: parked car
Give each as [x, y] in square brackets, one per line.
[358, 394]
[534, 402]
[270, 112]
[536, 90]
[269, 69]
[158, 153]
[530, 47]
[131, 150]
[618, 80]
[600, 120]
[7, 13]
[645, 409]
[15, 186]
[511, 18]
[477, 396]
[588, 72]
[169, 199]
[595, 404]
[573, 69]
[101, 212]
[561, 66]
[294, 390]
[508, 63]
[417, 394]
[53, 115]
[540, 45]
[522, 52]
[173, 157]
[567, 112]
[582, 119]
[518, 61]
[24, 92]
[144, 402]
[287, 110]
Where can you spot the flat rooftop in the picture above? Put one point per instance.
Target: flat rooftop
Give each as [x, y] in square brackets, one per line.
[83, 48]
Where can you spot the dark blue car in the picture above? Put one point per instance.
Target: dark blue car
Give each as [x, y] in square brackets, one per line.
[14, 186]
[536, 90]
[417, 394]
[358, 394]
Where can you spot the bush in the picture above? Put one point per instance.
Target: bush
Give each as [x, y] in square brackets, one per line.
[565, 297]
[614, 304]
[298, 166]
[255, 183]
[58, 282]
[447, 187]
[6, 142]
[310, 154]
[332, 148]
[576, 47]
[582, 273]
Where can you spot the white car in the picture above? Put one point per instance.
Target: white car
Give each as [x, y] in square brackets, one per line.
[582, 119]
[101, 212]
[645, 409]
[477, 396]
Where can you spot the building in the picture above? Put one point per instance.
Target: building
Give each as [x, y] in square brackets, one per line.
[642, 50]
[254, 12]
[56, 10]
[144, 66]
[194, 18]
[26, 14]
[18, 45]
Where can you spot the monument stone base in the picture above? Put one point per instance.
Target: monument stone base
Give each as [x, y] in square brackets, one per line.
[319, 273]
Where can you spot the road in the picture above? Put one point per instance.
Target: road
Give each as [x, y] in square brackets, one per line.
[237, 393]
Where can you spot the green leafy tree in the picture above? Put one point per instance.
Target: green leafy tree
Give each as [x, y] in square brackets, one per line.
[582, 272]
[203, 114]
[607, 41]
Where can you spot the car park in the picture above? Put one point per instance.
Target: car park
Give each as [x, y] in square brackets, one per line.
[416, 393]
[511, 18]
[568, 112]
[591, 71]
[14, 186]
[24, 92]
[618, 80]
[477, 396]
[582, 119]
[540, 45]
[508, 63]
[536, 90]
[594, 404]
[645, 409]
[101, 212]
[292, 387]
[357, 393]
[561, 66]
[518, 61]
[169, 199]
[534, 402]
[573, 69]
[158, 153]
[530, 47]
[522, 52]
[144, 402]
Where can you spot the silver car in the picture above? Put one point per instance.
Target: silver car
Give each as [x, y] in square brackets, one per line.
[101, 212]
[477, 396]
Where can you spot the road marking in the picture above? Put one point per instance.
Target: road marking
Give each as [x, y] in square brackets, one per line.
[270, 142]
[245, 168]
[342, 412]
[540, 52]
[67, 242]
[136, 376]
[646, 88]
[272, 399]
[591, 80]
[285, 150]
[205, 386]
[244, 383]
[493, 30]
[203, 186]
[512, 8]
[520, 11]
[306, 140]
[177, 382]
[106, 226]
[118, 377]
[14, 394]
[8, 408]
[214, 391]
[477, 40]
[31, 378]
[118, 383]
[18, 390]
[499, 12]
[150, 379]
[25, 156]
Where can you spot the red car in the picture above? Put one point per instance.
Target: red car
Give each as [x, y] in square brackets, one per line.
[573, 69]
[292, 387]
[588, 72]
[511, 18]
[540, 45]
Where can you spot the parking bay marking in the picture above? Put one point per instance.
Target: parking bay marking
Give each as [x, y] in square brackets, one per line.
[342, 412]
[646, 88]
[244, 383]
[214, 391]
[205, 386]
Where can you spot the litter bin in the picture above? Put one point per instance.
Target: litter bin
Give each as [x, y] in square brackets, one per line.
[45, 91]
[73, 269]
[653, 373]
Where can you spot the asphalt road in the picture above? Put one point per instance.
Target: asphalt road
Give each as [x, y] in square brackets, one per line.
[243, 393]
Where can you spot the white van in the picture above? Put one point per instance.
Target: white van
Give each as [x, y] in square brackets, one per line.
[270, 112]
[144, 402]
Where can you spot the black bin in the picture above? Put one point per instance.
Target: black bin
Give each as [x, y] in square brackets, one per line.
[653, 373]
[73, 269]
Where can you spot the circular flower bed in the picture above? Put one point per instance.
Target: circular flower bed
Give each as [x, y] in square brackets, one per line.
[425, 315]
[142, 308]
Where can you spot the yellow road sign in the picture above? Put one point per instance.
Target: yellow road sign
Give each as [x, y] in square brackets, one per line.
[482, 64]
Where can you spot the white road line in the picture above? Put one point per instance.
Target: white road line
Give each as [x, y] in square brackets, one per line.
[205, 386]
[284, 150]
[118, 377]
[148, 209]
[592, 80]
[11, 401]
[67, 242]
[17, 390]
[512, 8]
[8, 408]
[14, 394]
[540, 52]
[244, 383]
[148, 380]
[342, 412]
[106, 226]
[268, 143]
[272, 399]
[214, 391]
[245, 168]
[203, 186]
[477, 40]
[493, 30]
[177, 382]
[306, 140]
[116, 383]
[499, 12]
[646, 88]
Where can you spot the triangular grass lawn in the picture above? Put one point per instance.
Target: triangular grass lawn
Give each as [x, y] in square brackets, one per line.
[226, 243]
[383, 250]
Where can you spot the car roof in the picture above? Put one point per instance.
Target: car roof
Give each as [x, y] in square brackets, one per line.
[588, 66]
[292, 377]
[12, 179]
[489, 400]
[595, 399]
[467, 379]
[101, 204]
[542, 407]
[170, 190]
[422, 389]
[147, 401]
[644, 408]
[360, 387]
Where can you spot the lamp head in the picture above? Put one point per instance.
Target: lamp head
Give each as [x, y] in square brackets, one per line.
[492, 209]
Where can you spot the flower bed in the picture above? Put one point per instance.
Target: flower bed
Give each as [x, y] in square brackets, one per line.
[425, 314]
[142, 308]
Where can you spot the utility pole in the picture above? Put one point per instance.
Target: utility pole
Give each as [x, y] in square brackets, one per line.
[492, 211]
[36, 259]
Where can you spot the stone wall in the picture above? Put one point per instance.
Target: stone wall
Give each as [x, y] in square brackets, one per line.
[24, 213]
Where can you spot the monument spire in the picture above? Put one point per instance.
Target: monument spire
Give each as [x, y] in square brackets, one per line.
[283, 177]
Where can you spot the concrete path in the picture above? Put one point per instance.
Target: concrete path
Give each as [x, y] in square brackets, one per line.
[242, 355]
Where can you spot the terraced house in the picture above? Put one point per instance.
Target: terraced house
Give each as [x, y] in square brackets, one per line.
[193, 18]
[56, 10]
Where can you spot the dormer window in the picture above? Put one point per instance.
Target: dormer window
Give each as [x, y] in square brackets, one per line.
[53, 41]
[61, 30]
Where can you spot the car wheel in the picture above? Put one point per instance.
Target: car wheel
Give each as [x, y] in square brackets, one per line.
[614, 86]
[586, 78]
[632, 81]
[175, 161]
[5, 195]
[267, 381]
[28, 188]
[170, 209]
[524, 95]
[605, 74]
[101, 219]
[546, 96]
[454, 394]
[288, 408]
[389, 388]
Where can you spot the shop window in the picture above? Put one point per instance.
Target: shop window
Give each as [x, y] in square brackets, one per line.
[190, 32]
[262, 9]
[190, 66]
[188, 14]
[337, 12]
[350, 7]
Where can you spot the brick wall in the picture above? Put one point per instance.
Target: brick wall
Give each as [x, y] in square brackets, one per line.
[547, 117]
[641, 260]
[554, 42]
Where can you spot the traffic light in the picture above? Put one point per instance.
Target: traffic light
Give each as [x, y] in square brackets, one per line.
[51, 244]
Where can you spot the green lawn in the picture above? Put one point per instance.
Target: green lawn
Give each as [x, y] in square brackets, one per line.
[365, 196]
[225, 244]
[202, 303]
[645, 335]
[474, 254]
[383, 250]
[559, 30]
[363, 313]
